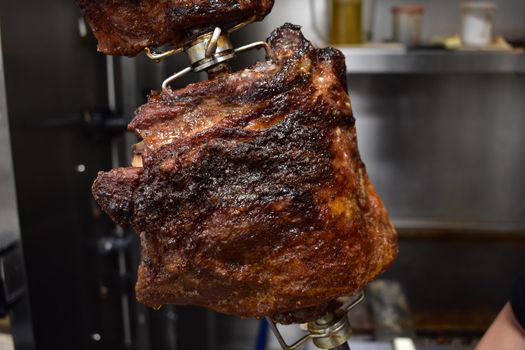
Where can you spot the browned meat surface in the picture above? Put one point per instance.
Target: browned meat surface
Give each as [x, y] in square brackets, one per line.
[125, 27]
[116, 189]
[254, 200]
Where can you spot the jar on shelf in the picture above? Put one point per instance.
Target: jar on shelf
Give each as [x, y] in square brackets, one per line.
[477, 25]
[406, 24]
[343, 20]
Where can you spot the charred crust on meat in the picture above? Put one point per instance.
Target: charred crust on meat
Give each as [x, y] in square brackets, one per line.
[253, 199]
[126, 27]
[114, 191]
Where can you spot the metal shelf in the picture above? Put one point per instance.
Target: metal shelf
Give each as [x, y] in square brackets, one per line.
[369, 61]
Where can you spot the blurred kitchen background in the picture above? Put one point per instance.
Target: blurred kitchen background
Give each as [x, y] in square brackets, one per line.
[438, 90]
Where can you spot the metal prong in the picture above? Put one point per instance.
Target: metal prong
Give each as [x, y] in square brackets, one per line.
[256, 45]
[281, 340]
[356, 302]
[175, 76]
[157, 57]
[212, 44]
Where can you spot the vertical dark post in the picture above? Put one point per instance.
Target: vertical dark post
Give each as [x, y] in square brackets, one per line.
[344, 346]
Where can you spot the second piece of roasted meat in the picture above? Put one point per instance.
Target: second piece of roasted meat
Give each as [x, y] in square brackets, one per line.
[253, 200]
[125, 27]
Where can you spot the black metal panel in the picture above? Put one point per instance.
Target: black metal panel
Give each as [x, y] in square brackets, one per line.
[53, 76]
[14, 298]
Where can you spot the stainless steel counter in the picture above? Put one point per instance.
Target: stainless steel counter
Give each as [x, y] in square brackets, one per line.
[383, 61]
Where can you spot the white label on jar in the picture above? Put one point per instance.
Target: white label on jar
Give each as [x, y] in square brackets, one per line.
[477, 30]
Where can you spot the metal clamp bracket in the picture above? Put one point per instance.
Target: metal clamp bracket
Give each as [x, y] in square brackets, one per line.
[328, 332]
[207, 51]
[210, 50]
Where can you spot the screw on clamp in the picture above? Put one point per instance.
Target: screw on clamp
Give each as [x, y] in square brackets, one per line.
[332, 331]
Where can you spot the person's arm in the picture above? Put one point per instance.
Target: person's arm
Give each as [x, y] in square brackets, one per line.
[505, 333]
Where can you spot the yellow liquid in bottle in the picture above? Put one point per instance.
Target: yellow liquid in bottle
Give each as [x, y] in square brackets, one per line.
[346, 22]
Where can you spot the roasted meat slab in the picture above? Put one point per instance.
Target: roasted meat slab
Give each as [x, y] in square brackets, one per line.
[125, 27]
[253, 200]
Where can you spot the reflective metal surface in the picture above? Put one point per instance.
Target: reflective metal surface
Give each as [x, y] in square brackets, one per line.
[369, 61]
[445, 150]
